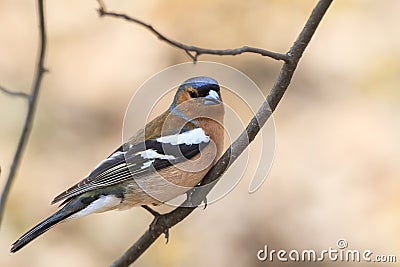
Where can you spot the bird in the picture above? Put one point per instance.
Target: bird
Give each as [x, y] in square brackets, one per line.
[164, 159]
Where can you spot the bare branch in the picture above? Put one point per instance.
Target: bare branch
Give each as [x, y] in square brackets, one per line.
[166, 221]
[12, 93]
[192, 51]
[32, 99]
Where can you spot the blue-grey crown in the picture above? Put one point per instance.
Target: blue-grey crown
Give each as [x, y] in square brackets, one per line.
[202, 83]
[197, 82]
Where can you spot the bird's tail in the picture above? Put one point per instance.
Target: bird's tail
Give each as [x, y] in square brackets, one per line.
[67, 211]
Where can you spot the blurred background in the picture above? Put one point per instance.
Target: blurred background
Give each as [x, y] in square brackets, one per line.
[336, 170]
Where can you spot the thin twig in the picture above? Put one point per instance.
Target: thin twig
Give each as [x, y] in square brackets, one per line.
[32, 100]
[166, 221]
[192, 51]
[12, 93]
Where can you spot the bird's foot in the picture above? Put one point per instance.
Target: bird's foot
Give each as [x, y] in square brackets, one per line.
[156, 219]
[205, 203]
[189, 195]
[153, 212]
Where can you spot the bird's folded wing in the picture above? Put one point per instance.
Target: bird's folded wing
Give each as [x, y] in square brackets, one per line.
[132, 161]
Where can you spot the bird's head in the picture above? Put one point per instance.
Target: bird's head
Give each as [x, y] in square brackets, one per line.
[203, 90]
[196, 98]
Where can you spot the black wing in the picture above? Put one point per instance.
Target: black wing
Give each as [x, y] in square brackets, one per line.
[132, 161]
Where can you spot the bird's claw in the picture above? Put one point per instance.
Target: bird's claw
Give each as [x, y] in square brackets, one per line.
[205, 203]
[166, 235]
[189, 198]
[153, 224]
[153, 212]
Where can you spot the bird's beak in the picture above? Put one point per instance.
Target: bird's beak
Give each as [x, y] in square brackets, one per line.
[212, 98]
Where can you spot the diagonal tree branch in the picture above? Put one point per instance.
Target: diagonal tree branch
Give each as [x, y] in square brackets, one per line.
[192, 51]
[162, 223]
[32, 100]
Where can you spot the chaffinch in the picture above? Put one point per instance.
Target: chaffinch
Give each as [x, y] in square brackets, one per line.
[166, 158]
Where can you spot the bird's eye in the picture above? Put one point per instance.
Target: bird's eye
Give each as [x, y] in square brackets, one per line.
[192, 94]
